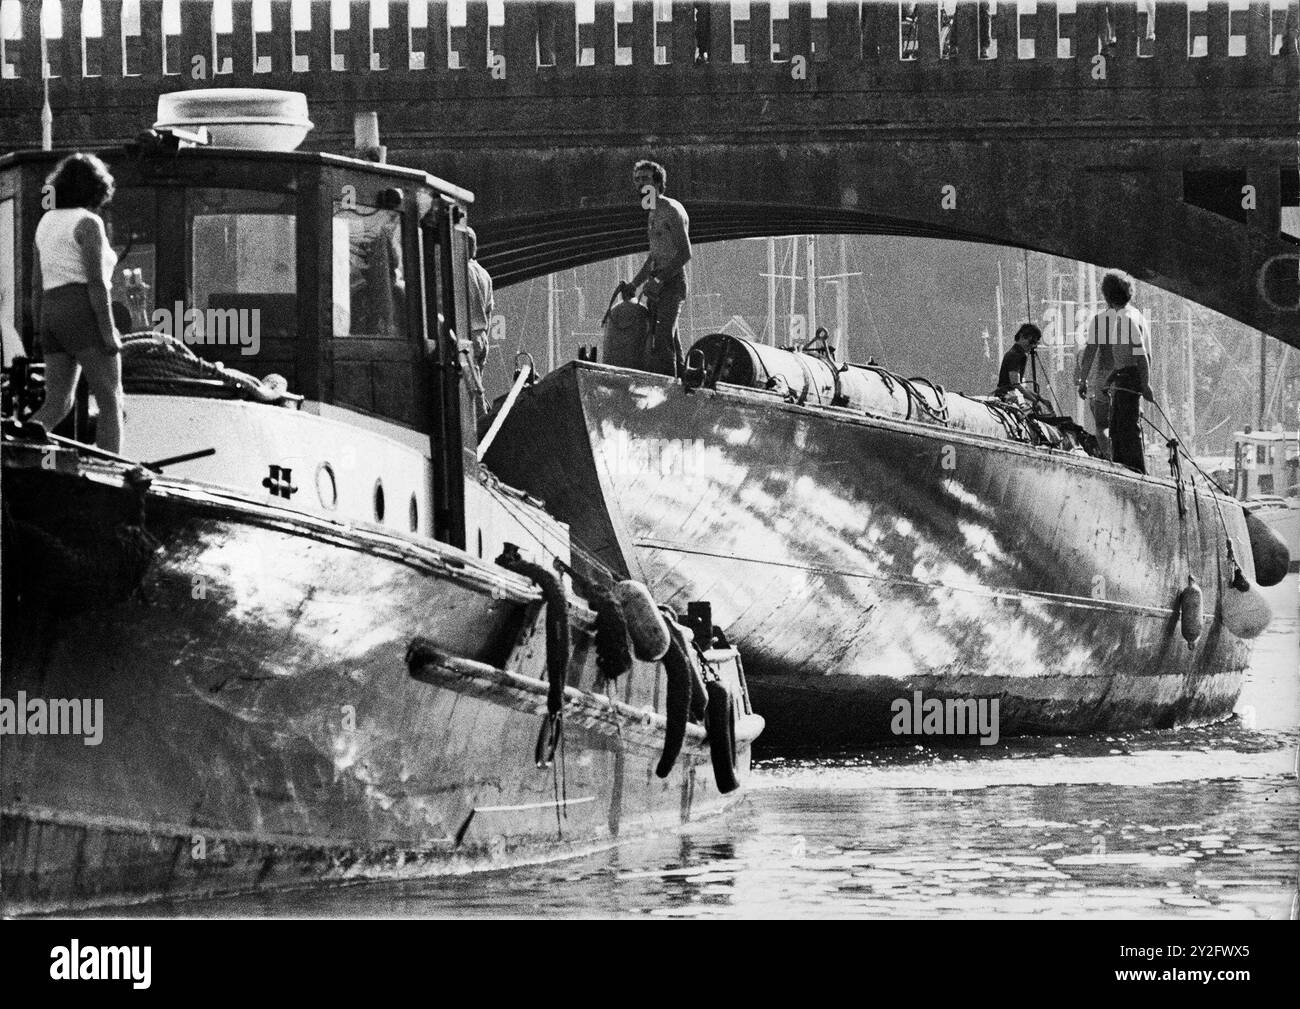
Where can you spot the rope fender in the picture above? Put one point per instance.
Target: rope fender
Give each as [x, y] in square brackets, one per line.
[613, 657]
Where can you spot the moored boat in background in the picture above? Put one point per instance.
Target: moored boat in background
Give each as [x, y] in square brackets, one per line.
[1265, 476]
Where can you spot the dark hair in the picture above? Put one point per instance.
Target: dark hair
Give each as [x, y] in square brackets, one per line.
[1117, 287]
[656, 170]
[1030, 330]
[81, 180]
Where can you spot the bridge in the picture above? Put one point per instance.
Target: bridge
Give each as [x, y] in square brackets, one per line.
[1160, 137]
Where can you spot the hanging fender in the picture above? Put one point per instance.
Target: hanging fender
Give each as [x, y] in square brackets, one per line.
[1190, 602]
[1271, 555]
[677, 707]
[721, 717]
[557, 648]
[645, 624]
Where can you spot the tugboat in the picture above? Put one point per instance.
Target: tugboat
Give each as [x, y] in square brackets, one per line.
[296, 633]
[1265, 475]
[890, 555]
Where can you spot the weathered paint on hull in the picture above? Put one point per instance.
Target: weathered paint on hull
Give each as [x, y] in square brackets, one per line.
[230, 673]
[854, 561]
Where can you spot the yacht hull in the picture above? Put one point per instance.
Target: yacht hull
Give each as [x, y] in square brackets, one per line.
[858, 561]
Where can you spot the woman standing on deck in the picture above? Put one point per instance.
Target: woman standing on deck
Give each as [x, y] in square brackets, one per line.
[72, 277]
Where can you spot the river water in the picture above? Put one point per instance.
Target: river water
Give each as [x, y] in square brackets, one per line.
[1190, 823]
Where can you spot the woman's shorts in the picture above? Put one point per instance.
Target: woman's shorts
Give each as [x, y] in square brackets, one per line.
[68, 323]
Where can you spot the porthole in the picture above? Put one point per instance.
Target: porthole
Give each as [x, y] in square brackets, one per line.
[379, 500]
[413, 513]
[327, 488]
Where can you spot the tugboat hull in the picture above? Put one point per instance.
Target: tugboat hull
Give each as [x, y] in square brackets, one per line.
[260, 726]
[856, 561]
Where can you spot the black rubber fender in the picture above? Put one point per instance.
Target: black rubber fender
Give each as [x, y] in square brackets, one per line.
[677, 707]
[721, 717]
[1269, 551]
[558, 649]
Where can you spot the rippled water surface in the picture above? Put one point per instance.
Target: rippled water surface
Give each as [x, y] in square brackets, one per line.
[1181, 824]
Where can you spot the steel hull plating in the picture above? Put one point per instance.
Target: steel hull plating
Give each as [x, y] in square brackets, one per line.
[260, 726]
[856, 561]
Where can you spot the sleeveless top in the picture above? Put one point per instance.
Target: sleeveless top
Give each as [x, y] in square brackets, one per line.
[61, 258]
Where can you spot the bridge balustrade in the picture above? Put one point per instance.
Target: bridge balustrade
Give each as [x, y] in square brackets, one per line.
[526, 46]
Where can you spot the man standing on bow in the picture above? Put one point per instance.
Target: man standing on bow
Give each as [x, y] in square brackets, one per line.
[663, 273]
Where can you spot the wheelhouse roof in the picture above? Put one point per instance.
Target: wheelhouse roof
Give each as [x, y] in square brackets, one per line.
[321, 158]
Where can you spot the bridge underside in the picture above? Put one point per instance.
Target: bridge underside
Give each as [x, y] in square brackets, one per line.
[1092, 201]
[535, 246]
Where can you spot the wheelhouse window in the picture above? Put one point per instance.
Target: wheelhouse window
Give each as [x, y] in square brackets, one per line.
[131, 222]
[369, 279]
[243, 278]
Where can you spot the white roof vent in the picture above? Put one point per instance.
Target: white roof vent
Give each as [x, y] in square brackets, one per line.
[254, 118]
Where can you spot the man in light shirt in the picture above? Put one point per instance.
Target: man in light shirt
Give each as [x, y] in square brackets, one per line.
[663, 272]
[481, 304]
[1118, 339]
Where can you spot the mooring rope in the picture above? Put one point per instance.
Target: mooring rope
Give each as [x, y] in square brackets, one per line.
[1055, 598]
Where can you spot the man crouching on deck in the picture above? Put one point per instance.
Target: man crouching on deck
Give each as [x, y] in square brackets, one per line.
[663, 271]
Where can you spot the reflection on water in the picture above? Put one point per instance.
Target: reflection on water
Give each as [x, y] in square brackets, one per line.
[1189, 823]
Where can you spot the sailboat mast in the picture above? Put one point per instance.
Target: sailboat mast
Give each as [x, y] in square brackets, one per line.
[998, 296]
[811, 263]
[842, 305]
[771, 291]
[1263, 369]
[1160, 356]
[840, 338]
[47, 116]
[794, 284]
[550, 322]
[1190, 427]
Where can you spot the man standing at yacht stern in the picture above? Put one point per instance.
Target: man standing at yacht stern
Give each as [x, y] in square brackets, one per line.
[663, 273]
[1121, 331]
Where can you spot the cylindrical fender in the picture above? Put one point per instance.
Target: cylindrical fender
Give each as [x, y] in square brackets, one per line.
[721, 715]
[645, 624]
[1190, 602]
